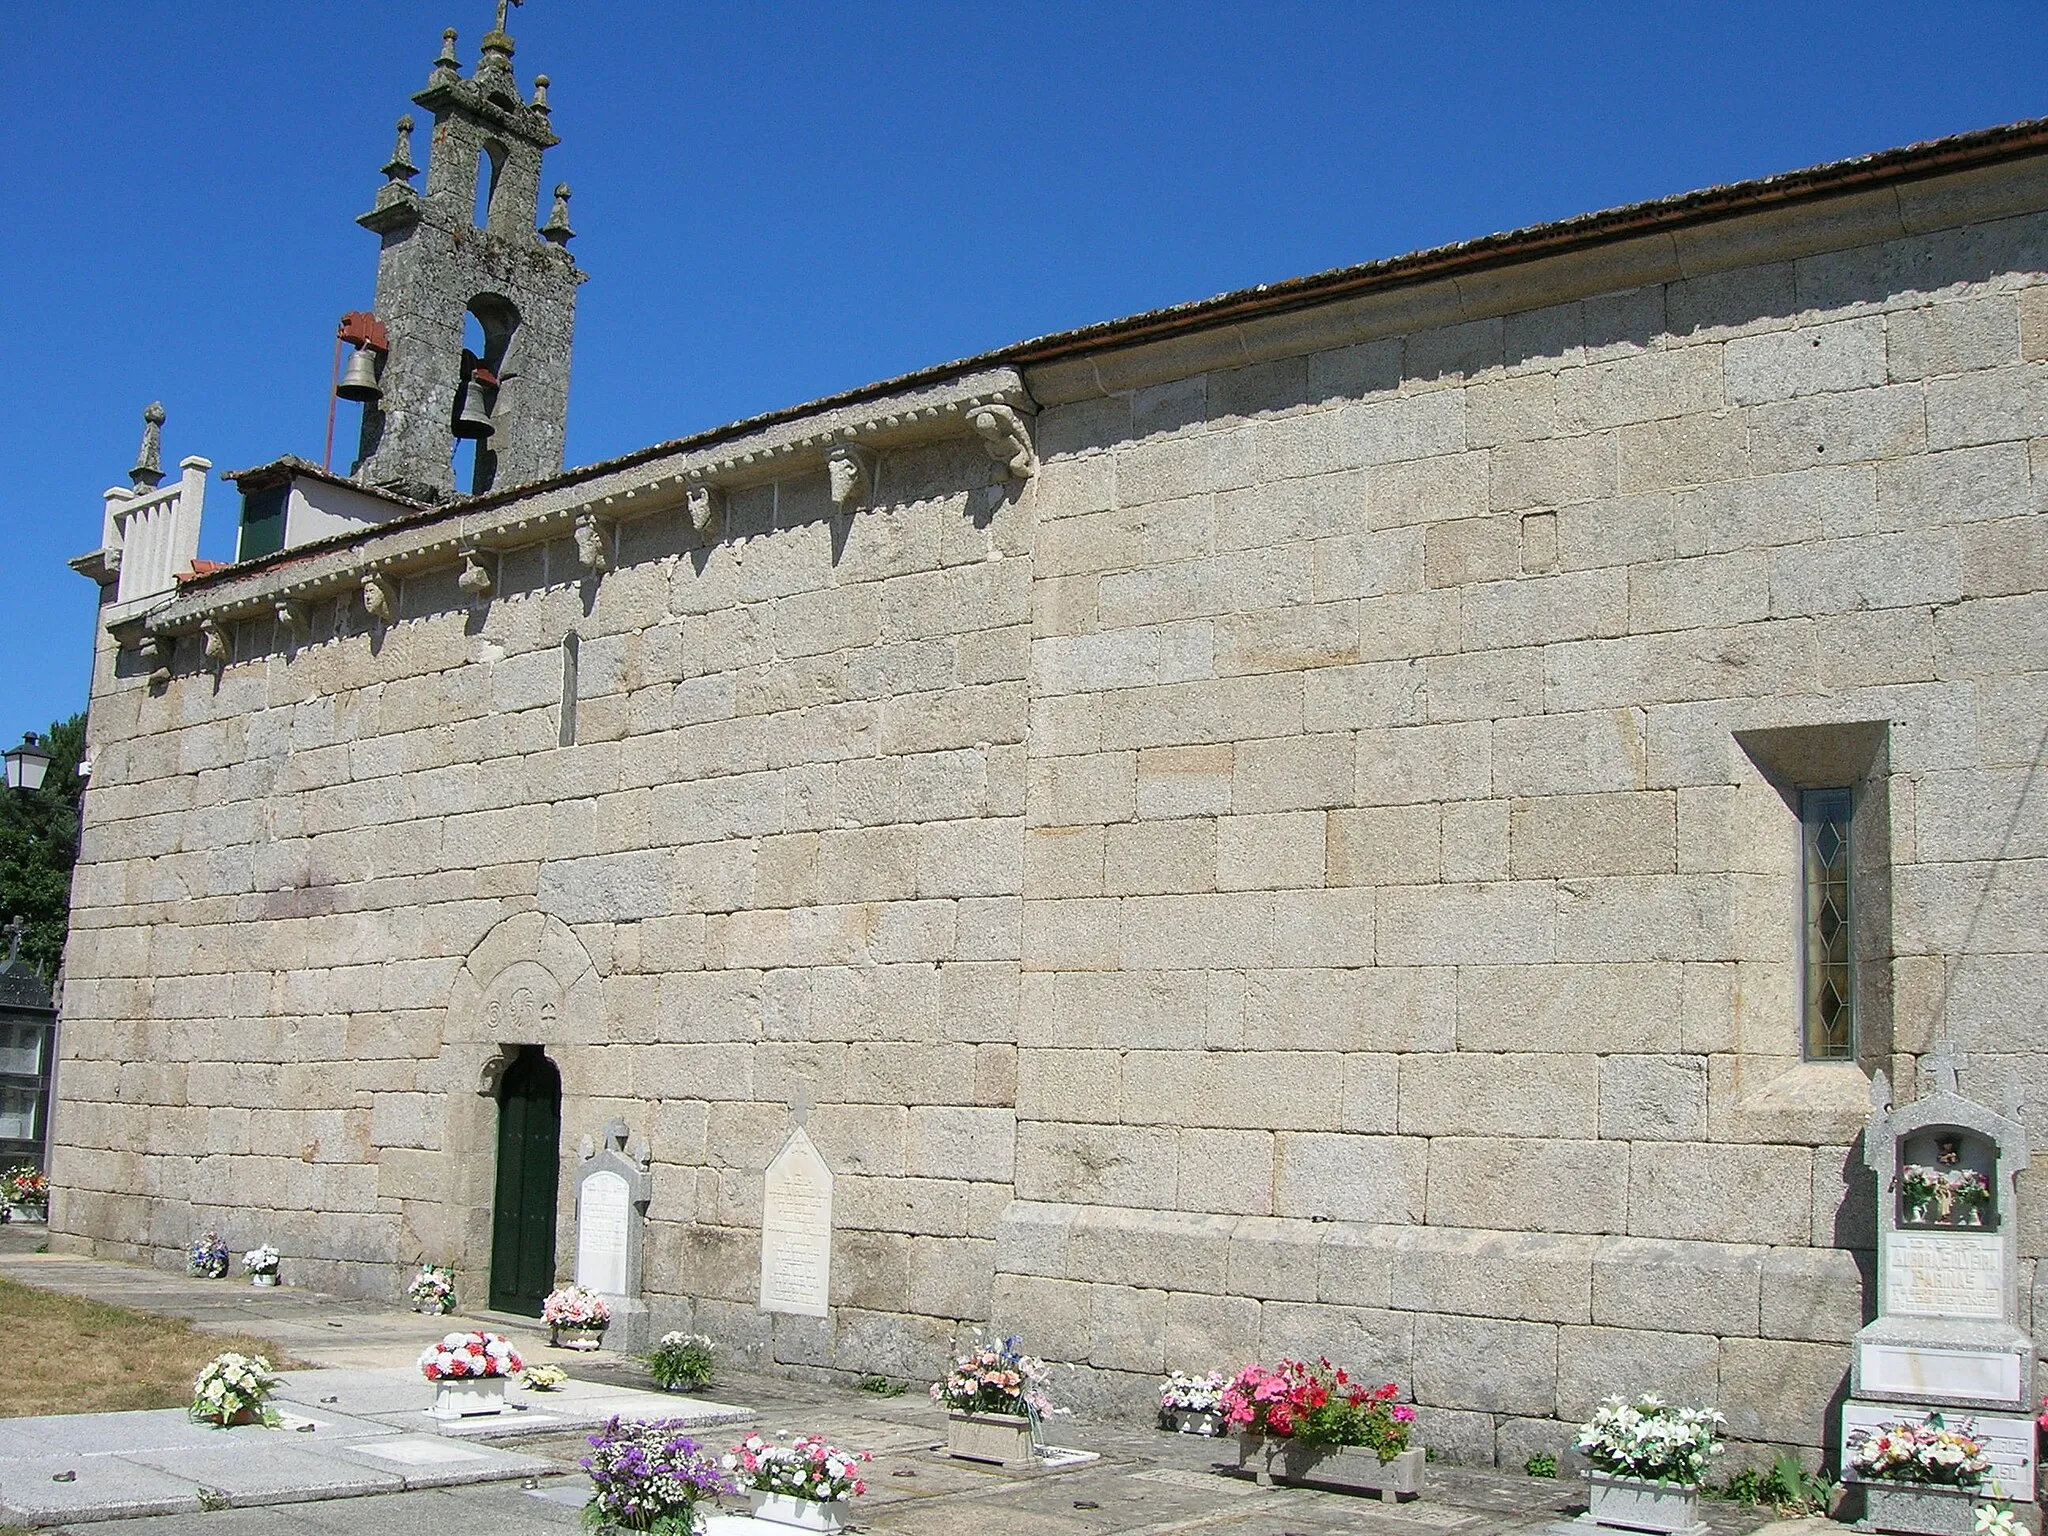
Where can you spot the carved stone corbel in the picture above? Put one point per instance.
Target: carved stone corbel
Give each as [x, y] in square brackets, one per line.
[706, 507]
[291, 616]
[851, 472]
[213, 642]
[380, 597]
[591, 553]
[1006, 434]
[156, 655]
[476, 575]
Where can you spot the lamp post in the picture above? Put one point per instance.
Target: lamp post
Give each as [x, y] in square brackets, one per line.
[27, 764]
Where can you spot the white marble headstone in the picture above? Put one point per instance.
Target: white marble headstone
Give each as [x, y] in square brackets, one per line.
[601, 1233]
[796, 1230]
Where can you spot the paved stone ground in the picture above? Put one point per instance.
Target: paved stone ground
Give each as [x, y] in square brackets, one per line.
[1145, 1483]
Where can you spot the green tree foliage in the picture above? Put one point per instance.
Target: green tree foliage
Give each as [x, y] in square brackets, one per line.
[38, 846]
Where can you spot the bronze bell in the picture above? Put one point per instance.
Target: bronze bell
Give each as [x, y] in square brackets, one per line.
[359, 378]
[474, 419]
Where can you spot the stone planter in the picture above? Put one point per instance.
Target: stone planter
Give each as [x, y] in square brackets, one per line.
[1639, 1504]
[468, 1397]
[1191, 1421]
[1348, 1468]
[1919, 1510]
[1001, 1438]
[431, 1308]
[565, 1336]
[803, 1514]
[269, 1277]
[28, 1213]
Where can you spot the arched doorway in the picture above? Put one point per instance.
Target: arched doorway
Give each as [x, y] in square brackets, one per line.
[529, 1162]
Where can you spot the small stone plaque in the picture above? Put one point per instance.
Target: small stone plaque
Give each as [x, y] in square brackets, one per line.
[796, 1230]
[602, 1226]
[1903, 1370]
[1940, 1274]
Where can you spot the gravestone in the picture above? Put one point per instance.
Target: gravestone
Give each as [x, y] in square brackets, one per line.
[612, 1191]
[1947, 1337]
[796, 1226]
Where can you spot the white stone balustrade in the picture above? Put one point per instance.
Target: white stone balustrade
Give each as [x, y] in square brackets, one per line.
[155, 534]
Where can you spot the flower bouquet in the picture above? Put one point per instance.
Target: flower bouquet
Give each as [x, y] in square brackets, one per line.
[468, 1371]
[1649, 1458]
[1295, 1420]
[543, 1378]
[234, 1389]
[994, 1396]
[432, 1290]
[1922, 1476]
[681, 1362]
[261, 1262]
[208, 1257]
[1946, 1197]
[25, 1189]
[1188, 1404]
[576, 1318]
[798, 1484]
[648, 1476]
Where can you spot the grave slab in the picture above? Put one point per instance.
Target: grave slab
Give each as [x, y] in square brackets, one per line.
[268, 1472]
[102, 1488]
[433, 1461]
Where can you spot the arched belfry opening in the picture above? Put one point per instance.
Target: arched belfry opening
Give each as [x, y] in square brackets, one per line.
[529, 1167]
[471, 249]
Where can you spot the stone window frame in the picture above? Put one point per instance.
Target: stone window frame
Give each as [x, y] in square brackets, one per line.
[1827, 815]
[1855, 756]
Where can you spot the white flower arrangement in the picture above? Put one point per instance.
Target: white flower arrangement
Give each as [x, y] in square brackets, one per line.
[470, 1357]
[682, 1362]
[433, 1286]
[261, 1260]
[1191, 1394]
[233, 1388]
[1652, 1439]
[571, 1306]
[543, 1378]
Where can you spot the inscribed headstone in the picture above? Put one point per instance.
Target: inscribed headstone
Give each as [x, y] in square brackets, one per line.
[796, 1230]
[602, 1227]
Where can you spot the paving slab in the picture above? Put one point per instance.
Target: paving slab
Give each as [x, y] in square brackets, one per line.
[268, 1472]
[432, 1461]
[100, 1488]
[154, 1429]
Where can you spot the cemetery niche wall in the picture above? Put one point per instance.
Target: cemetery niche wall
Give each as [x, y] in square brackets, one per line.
[1274, 827]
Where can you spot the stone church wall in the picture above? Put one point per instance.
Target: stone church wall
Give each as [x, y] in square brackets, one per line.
[1312, 871]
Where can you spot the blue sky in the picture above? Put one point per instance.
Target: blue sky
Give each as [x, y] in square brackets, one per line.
[779, 202]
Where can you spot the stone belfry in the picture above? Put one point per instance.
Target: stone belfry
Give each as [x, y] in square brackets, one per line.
[475, 305]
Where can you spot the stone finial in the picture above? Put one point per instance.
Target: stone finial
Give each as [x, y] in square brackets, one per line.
[400, 167]
[16, 932]
[447, 64]
[148, 472]
[540, 94]
[557, 227]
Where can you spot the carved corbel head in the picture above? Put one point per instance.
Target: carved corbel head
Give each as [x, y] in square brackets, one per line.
[291, 616]
[380, 598]
[1006, 434]
[591, 553]
[851, 471]
[213, 642]
[705, 505]
[476, 574]
[155, 651]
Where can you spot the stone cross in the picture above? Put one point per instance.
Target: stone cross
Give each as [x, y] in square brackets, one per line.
[17, 931]
[502, 4]
[1943, 1062]
[800, 1106]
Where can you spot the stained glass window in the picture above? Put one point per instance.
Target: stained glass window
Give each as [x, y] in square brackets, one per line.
[1830, 993]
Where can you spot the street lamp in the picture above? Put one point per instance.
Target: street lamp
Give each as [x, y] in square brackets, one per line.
[27, 764]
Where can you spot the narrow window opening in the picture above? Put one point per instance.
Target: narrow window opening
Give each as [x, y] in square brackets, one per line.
[1828, 952]
[490, 164]
[570, 646]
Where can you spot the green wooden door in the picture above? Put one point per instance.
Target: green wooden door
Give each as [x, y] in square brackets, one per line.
[529, 1158]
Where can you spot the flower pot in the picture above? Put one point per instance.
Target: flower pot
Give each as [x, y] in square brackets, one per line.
[1001, 1438]
[28, 1213]
[1920, 1510]
[468, 1397]
[1191, 1421]
[568, 1336]
[804, 1514]
[431, 1308]
[1347, 1468]
[1640, 1504]
[267, 1278]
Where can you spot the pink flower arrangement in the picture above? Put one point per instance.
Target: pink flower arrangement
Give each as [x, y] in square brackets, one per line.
[470, 1357]
[1316, 1404]
[808, 1468]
